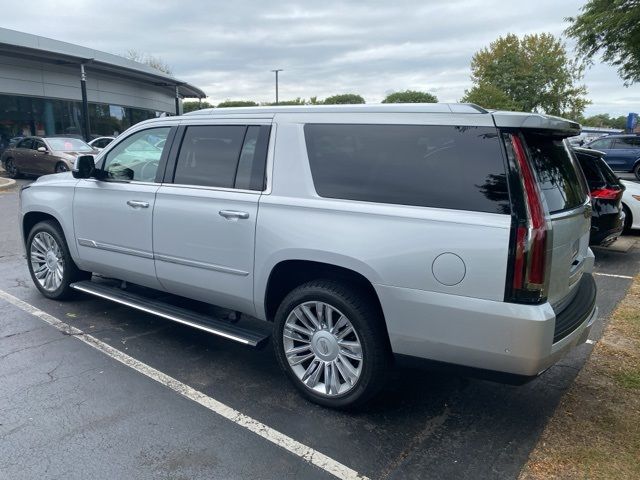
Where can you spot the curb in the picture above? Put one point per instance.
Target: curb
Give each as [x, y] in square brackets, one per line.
[6, 183]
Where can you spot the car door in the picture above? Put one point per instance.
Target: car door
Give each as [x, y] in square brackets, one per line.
[23, 155]
[626, 153]
[42, 161]
[204, 220]
[113, 214]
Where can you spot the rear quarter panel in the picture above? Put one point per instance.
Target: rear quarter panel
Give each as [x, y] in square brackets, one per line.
[391, 245]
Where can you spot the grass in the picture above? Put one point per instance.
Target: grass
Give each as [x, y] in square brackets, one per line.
[595, 432]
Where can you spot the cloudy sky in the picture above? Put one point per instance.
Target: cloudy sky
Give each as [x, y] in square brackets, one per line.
[228, 48]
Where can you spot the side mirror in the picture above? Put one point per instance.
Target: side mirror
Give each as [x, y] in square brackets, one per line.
[84, 167]
[42, 149]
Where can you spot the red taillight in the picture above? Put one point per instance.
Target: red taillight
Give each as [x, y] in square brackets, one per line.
[606, 193]
[531, 235]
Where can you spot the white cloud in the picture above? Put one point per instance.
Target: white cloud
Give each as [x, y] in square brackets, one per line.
[371, 48]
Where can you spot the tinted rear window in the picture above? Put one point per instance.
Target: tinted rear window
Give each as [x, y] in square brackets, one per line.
[432, 166]
[558, 174]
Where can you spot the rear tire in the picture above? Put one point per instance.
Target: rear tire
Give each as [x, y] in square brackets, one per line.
[10, 167]
[347, 345]
[636, 170]
[50, 264]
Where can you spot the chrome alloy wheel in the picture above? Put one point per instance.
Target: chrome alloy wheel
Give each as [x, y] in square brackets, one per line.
[47, 261]
[322, 348]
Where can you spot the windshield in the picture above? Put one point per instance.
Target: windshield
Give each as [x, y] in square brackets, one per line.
[68, 145]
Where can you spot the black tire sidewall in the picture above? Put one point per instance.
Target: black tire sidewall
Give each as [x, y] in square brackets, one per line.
[61, 164]
[636, 170]
[12, 174]
[364, 320]
[70, 270]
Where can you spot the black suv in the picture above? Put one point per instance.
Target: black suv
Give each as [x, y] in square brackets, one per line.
[607, 221]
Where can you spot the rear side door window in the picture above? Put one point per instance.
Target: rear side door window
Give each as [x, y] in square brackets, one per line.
[223, 156]
[454, 167]
[602, 144]
[627, 142]
[26, 143]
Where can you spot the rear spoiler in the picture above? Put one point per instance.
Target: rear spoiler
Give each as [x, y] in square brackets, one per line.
[556, 126]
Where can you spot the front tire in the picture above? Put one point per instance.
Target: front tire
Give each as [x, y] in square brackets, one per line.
[61, 167]
[331, 341]
[636, 170]
[51, 267]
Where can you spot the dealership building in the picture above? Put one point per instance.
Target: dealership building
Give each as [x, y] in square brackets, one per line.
[48, 87]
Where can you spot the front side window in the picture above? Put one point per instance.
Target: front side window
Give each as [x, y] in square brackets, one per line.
[456, 167]
[136, 157]
[37, 144]
[602, 144]
[226, 156]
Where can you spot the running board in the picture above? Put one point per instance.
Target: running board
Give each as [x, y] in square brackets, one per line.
[252, 338]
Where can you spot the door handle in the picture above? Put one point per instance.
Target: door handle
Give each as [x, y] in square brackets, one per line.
[137, 204]
[230, 214]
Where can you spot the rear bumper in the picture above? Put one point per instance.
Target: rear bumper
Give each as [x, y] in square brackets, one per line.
[482, 334]
[606, 229]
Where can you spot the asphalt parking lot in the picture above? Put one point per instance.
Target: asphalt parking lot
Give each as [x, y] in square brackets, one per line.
[68, 410]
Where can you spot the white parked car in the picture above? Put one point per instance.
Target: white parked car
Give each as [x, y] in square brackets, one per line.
[631, 205]
[101, 142]
[435, 231]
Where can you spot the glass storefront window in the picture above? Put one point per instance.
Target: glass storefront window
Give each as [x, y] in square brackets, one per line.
[24, 116]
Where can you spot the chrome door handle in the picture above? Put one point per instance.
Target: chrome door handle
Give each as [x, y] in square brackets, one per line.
[229, 214]
[137, 204]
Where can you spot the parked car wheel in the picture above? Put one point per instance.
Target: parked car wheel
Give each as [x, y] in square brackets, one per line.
[50, 264]
[10, 167]
[331, 341]
[636, 170]
[61, 167]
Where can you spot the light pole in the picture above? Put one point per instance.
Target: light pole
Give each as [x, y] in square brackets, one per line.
[276, 72]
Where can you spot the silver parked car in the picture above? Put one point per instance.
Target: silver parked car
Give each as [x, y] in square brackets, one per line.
[360, 233]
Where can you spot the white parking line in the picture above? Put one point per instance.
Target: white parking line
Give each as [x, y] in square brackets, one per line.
[307, 454]
[612, 275]
[590, 342]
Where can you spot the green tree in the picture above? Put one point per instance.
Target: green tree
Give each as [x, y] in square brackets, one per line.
[529, 74]
[190, 106]
[610, 28]
[295, 101]
[606, 121]
[410, 96]
[345, 98]
[237, 103]
[489, 96]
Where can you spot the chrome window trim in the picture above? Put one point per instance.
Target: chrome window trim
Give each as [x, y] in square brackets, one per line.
[215, 189]
[579, 210]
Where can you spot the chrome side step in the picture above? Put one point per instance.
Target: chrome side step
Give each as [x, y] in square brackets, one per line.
[211, 325]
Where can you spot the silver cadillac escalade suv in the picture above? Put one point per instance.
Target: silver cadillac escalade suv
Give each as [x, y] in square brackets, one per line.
[361, 234]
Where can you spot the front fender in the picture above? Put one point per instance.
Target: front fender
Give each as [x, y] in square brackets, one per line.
[55, 200]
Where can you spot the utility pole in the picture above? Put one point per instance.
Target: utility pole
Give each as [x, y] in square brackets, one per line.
[85, 104]
[276, 72]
